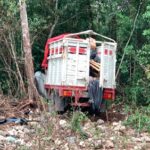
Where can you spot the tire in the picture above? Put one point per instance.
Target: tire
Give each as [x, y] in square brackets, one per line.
[58, 103]
[51, 102]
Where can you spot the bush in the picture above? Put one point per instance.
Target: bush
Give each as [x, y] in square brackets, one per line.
[139, 118]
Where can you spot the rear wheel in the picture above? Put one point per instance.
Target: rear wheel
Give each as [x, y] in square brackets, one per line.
[51, 102]
[57, 102]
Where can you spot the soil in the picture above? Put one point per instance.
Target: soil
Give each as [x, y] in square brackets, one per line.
[53, 131]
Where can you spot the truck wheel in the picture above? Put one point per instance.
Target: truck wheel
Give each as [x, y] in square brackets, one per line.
[58, 103]
[51, 102]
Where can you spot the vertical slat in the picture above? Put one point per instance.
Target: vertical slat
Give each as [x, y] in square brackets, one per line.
[63, 68]
[55, 62]
[106, 66]
[114, 57]
[58, 66]
[59, 44]
[53, 69]
[49, 64]
[77, 61]
[88, 59]
[102, 66]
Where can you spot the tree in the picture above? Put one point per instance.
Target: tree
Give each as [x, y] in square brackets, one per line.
[114, 19]
[32, 92]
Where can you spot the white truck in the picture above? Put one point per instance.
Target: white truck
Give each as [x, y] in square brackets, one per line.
[67, 64]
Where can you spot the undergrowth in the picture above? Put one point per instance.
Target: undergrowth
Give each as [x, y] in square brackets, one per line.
[139, 118]
[78, 118]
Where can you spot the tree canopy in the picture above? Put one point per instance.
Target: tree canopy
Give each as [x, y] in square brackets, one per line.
[125, 21]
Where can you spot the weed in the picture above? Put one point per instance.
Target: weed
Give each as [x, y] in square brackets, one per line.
[139, 118]
[78, 118]
[50, 128]
[23, 148]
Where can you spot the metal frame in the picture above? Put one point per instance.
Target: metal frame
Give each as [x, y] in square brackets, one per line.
[78, 91]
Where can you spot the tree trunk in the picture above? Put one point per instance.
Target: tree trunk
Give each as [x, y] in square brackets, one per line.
[32, 91]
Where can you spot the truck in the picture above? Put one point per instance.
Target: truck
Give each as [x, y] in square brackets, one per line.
[67, 64]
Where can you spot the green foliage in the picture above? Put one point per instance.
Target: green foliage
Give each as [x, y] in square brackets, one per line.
[23, 148]
[146, 15]
[139, 118]
[111, 18]
[144, 55]
[10, 48]
[78, 118]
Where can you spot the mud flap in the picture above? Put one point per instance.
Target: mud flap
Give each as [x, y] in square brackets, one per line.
[95, 94]
[96, 105]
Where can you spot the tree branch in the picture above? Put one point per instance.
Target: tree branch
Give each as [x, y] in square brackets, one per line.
[55, 22]
[131, 33]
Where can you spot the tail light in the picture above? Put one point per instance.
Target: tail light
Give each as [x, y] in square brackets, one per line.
[109, 94]
[67, 93]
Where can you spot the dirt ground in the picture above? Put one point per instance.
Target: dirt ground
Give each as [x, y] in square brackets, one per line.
[52, 131]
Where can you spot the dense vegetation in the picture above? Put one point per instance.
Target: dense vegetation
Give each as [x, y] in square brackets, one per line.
[125, 21]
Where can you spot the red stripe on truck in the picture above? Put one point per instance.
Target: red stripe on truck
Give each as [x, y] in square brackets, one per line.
[110, 52]
[106, 51]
